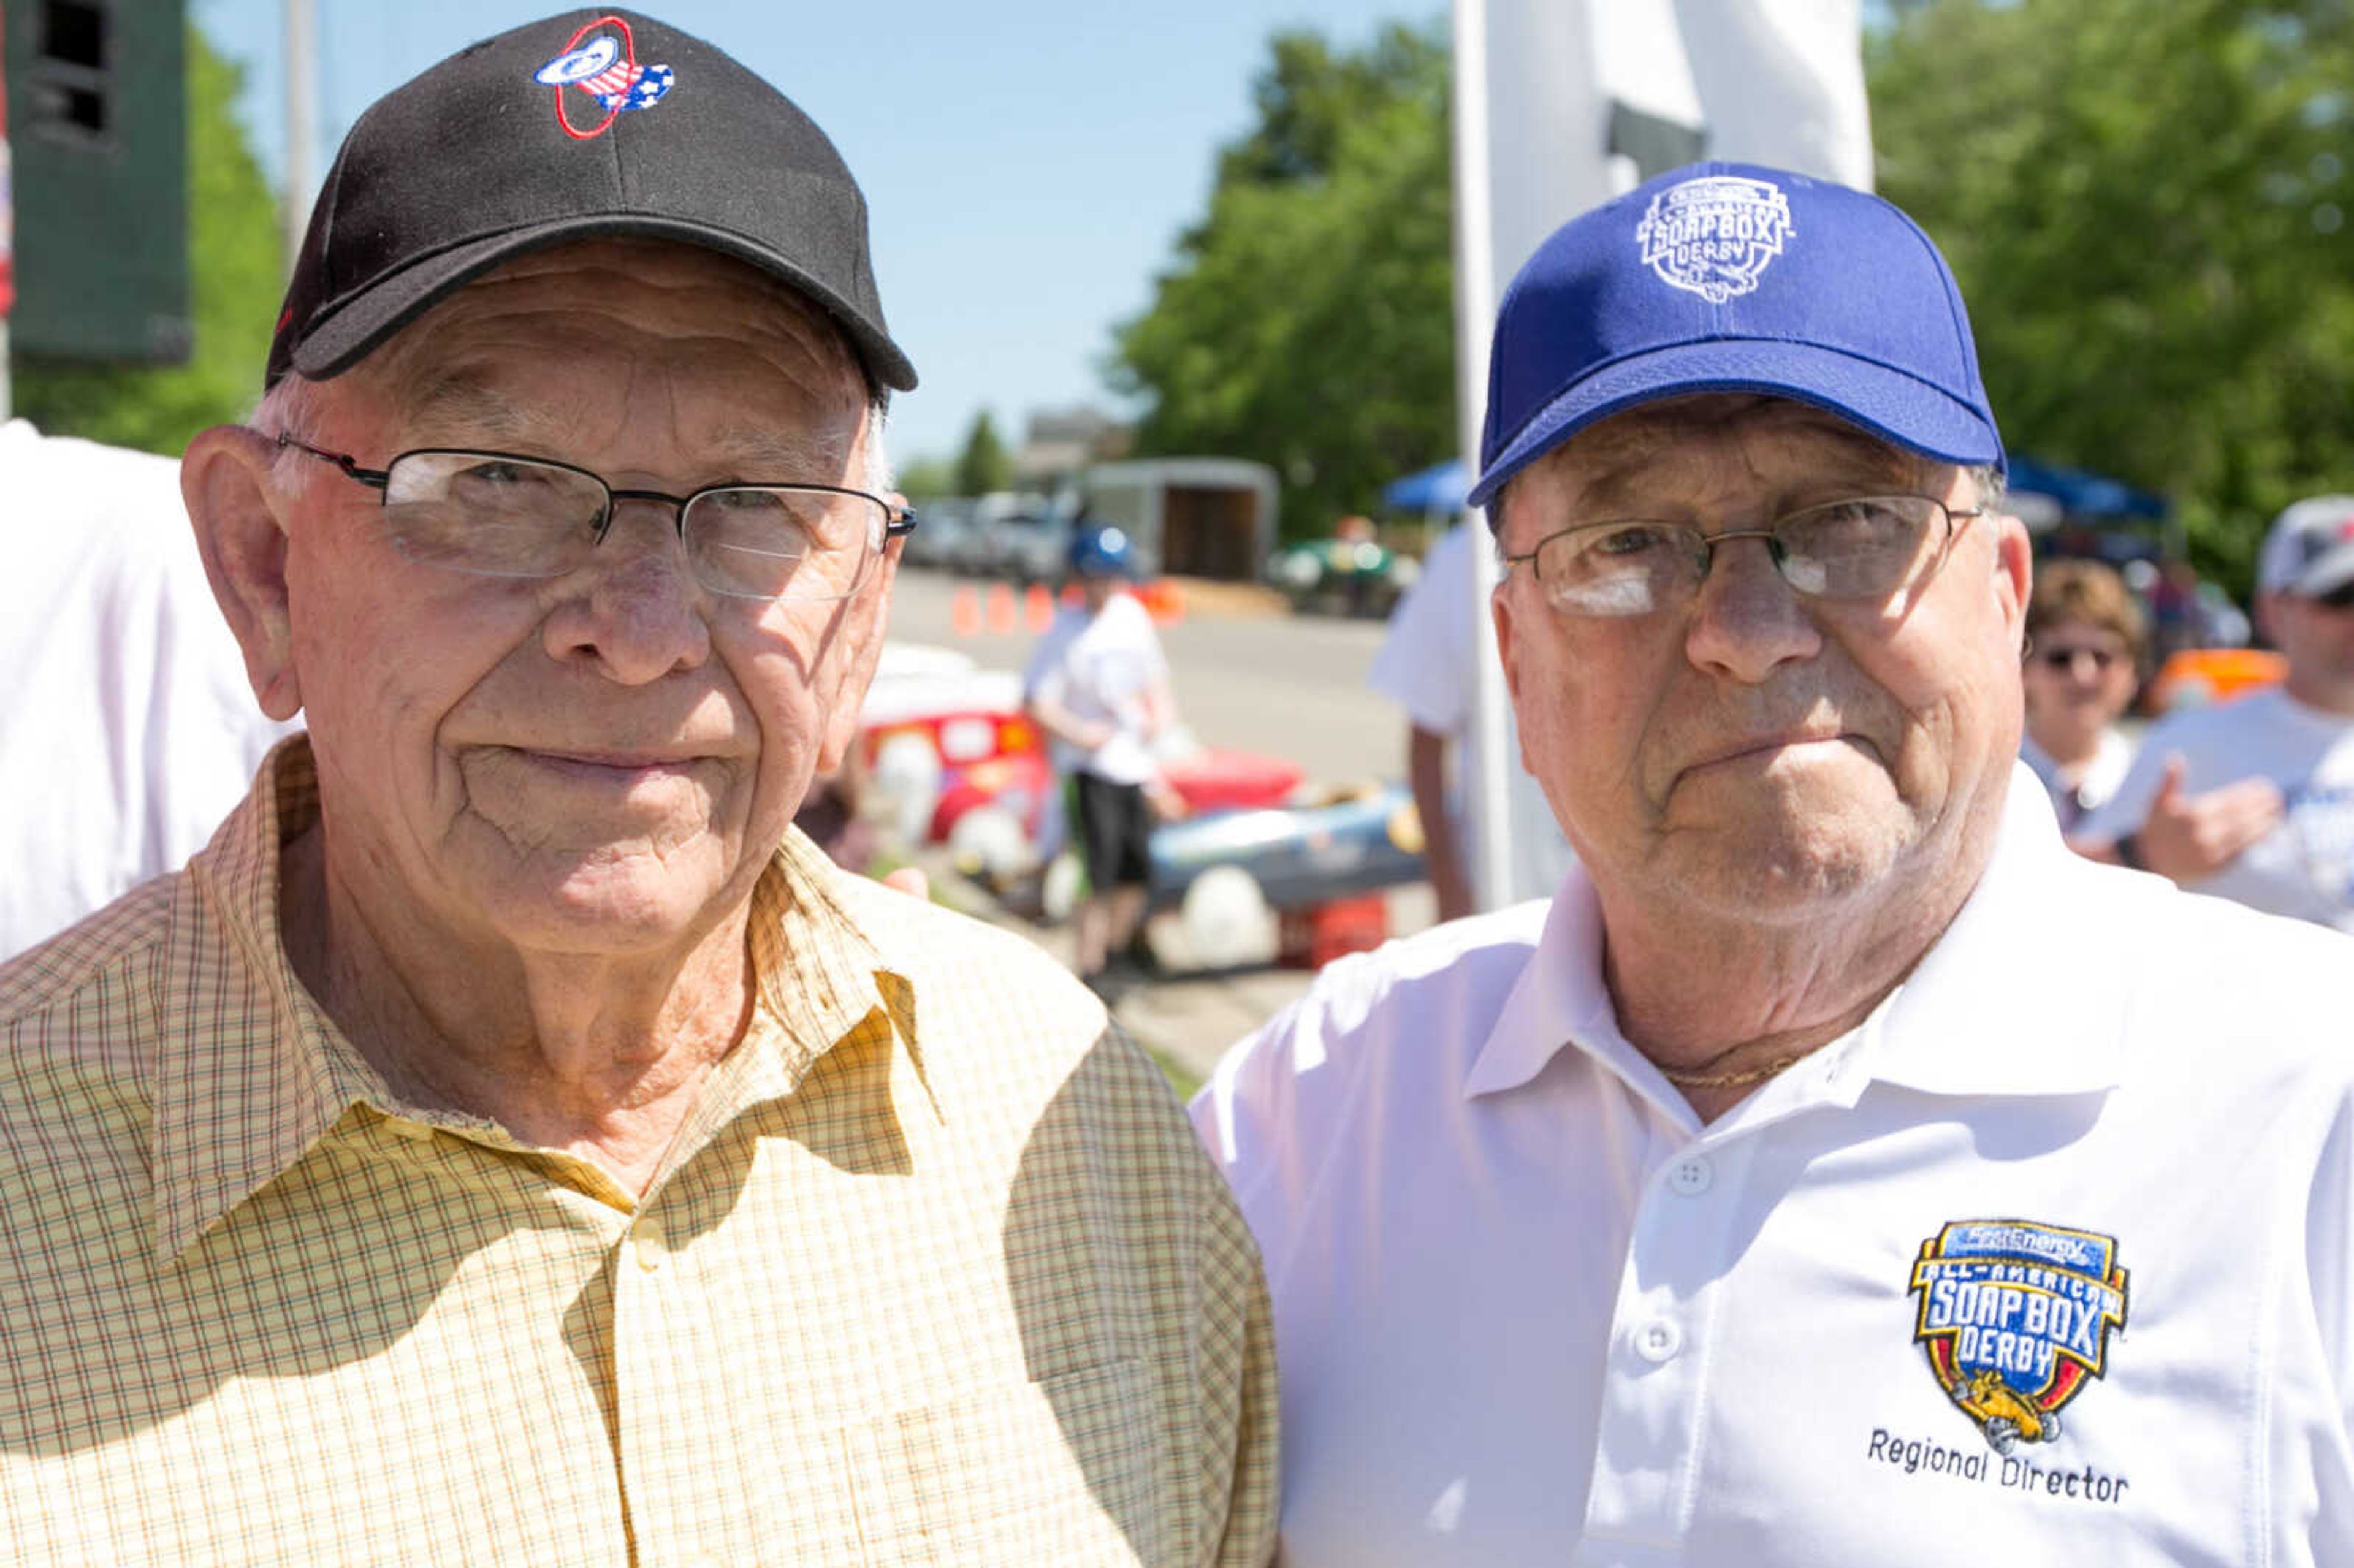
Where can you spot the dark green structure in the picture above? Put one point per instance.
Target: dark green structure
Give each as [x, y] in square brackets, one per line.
[97, 134]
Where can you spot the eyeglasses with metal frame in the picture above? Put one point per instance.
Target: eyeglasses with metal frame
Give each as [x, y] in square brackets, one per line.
[499, 514]
[1858, 548]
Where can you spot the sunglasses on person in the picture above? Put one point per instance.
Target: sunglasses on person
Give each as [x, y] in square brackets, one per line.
[2062, 657]
[2339, 597]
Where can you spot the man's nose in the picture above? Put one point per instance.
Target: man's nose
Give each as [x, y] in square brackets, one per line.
[635, 609]
[1746, 618]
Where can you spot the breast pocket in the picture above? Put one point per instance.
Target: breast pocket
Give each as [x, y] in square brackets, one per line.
[1059, 1474]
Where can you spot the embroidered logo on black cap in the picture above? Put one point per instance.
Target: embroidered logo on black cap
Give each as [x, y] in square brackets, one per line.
[605, 68]
[2015, 1316]
[1715, 235]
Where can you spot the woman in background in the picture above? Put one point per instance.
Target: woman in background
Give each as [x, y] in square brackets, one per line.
[2086, 638]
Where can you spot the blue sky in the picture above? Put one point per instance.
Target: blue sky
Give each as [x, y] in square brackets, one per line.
[1028, 163]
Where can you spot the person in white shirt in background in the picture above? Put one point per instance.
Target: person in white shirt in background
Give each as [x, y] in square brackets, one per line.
[1098, 685]
[127, 727]
[2085, 638]
[1838, 1173]
[1428, 665]
[2253, 800]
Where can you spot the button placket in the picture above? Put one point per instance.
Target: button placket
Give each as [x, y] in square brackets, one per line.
[1691, 1176]
[1656, 1391]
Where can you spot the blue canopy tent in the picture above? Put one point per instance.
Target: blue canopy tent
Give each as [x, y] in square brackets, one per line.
[1440, 488]
[2107, 517]
[2083, 495]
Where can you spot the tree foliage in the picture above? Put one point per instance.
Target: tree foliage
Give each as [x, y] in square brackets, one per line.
[1307, 319]
[921, 479]
[984, 465]
[234, 281]
[2147, 207]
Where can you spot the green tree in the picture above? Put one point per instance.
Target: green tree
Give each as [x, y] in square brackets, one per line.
[984, 466]
[1307, 319]
[923, 477]
[234, 281]
[2147, 206]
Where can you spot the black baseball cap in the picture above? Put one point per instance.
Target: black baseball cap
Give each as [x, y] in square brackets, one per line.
[588, 124]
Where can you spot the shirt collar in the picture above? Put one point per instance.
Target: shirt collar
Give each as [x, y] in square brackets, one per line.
[249, 1072]
[2019, 996]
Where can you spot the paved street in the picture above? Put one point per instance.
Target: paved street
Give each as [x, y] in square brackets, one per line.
[1248, 678]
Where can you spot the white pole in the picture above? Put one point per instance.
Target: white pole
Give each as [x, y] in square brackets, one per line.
[302, 125]
[1486, 782]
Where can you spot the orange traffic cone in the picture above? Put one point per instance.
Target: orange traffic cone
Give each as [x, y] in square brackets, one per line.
[1001, 610]
[1038, 609]
[1166, 603]
[964, 611]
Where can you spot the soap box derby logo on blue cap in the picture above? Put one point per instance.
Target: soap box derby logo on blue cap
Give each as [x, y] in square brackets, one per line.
[1730, 277]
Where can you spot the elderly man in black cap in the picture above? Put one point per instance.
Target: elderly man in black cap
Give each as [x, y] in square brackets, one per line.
[509, 1141]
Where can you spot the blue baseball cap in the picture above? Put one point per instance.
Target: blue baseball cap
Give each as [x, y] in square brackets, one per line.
[1732, 278]
[1101, 550]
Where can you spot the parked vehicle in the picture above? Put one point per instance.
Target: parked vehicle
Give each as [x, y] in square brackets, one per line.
[942, 529]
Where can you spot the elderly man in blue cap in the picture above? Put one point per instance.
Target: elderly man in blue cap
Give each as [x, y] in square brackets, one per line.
[1837, 1171]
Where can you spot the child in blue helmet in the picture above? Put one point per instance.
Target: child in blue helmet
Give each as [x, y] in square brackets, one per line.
[1098, 685]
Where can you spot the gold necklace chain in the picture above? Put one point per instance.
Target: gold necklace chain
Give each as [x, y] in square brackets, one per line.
[1685, 1080]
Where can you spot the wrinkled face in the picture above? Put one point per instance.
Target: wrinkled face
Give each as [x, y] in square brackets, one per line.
[2079, 678]
[1751, 751]
[601, 761]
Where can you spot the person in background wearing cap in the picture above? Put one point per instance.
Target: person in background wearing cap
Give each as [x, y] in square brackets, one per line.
[508, 1143]
[1839, 1171]
[1098, 685]
[2253, 800]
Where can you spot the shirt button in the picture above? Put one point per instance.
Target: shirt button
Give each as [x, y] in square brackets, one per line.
[646, 1242]
[1690, 1178]
[402, 1126]
[1659, 1340]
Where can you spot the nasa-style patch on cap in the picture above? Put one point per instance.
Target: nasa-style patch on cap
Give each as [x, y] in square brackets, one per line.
[606, 69]
[468, 166]
[1735, 278]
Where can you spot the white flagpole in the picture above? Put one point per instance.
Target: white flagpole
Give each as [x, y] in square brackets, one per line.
[302, 125]
[1487, 778]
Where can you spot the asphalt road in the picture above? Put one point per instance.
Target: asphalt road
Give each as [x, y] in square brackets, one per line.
[1248, 679]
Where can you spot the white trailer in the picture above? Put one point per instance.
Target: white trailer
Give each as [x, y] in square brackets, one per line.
[1200, 517]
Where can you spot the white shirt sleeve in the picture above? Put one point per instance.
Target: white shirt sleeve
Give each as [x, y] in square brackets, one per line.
[1424, 664]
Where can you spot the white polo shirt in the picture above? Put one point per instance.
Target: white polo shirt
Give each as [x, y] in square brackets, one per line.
[2089, 1169]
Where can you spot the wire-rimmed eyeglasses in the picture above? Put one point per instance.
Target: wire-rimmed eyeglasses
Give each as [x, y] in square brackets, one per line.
[498, 514]
[1865, 546]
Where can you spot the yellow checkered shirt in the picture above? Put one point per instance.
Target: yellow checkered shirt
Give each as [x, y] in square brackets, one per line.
[934, 1274]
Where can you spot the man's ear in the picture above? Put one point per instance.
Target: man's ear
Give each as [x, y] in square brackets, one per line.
[2014, 574]
[226, 481]
[1501, 609]
[864, 628]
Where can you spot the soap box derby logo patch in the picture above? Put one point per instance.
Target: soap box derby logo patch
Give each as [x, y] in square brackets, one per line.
[1715, 235]
[2014, 1317]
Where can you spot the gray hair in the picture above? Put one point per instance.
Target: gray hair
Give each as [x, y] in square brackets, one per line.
[292, 408]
